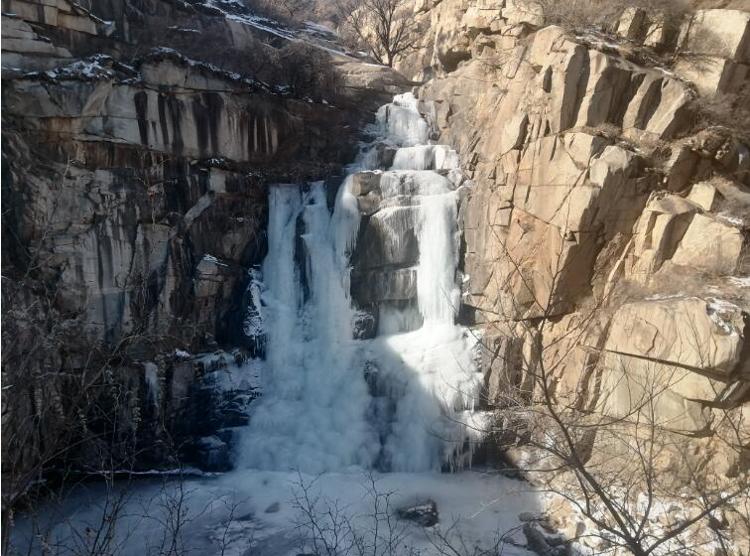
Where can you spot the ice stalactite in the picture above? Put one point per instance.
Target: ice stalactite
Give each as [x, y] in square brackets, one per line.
[394, 401]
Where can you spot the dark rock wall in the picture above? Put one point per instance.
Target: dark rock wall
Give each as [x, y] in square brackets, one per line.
[134, 206]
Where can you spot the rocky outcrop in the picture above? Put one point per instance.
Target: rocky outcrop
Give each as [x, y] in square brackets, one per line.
[716, 46]
[683, 350]
[606, 227]
[597, 208]
[604, 236]
[135, 204]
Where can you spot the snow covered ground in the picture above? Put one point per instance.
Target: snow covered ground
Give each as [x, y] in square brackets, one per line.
[263, 513]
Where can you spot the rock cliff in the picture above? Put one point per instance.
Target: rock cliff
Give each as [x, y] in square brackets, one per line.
[607, 215]
[135, 206]
[605, 211]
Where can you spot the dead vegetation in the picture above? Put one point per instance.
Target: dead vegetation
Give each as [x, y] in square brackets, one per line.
[590, 426]
[385, 29]
[297, 12]
[604, 15]
[304, 70]
[730, 111]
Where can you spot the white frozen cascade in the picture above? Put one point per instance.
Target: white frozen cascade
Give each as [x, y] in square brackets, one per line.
[401, 400]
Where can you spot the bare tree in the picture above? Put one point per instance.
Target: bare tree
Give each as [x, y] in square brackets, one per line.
[730, 112]
[608, 465]
[288, 11]
[109, 525]
[294, 9]
[331, 528]
[384, 28]
[308, 72]
[70, 406]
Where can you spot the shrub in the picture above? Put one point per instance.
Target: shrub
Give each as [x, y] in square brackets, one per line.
[308, 72]
[604, 15]
[290, 12]
[728, 110]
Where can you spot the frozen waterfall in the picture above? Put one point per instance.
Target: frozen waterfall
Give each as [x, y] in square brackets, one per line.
[397, 399]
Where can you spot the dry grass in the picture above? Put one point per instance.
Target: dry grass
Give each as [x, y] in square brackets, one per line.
[604, 14]
[731, 111]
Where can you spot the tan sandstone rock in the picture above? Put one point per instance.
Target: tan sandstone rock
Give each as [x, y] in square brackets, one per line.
[710, 245]
[670, 355]
[724, 33]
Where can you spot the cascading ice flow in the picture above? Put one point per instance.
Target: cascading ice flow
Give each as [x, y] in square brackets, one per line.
[398, 400]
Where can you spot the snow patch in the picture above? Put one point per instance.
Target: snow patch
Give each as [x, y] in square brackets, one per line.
[740, 281]
[720, 311]
[253, 324]
[730, 219]
[227, 514]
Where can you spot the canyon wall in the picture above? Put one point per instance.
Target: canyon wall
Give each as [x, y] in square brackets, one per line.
[606, 231]
[135, 176]
[604, 213]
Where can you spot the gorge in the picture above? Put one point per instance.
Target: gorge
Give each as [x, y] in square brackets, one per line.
[263, 295]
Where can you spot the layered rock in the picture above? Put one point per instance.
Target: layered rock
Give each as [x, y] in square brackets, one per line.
[134, 199]
[711, 44]
[150, 181]
[600, 241]
[602, 237]
[605, 239]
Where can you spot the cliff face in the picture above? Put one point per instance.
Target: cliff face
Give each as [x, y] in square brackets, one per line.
[134, 206]
[188, 137]
[599, 207]
[605, 234]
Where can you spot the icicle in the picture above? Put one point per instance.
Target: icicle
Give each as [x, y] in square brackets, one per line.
[318, 413]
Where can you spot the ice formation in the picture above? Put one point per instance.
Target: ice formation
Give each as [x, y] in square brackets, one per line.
[397, 401]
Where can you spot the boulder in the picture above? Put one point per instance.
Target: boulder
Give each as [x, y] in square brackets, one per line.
[633, 23]
[424, 513]
[705, 335]
[388, 239]
[710, 245]
[672, 230]
[672, 113]
[451, 44]
[680, 167]
[213, 454]
[542, 542]
[716, 50]
[657, 234]
[523, 12]
[704, 195]
[477, 19]
[674, 355]
[365, 186]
